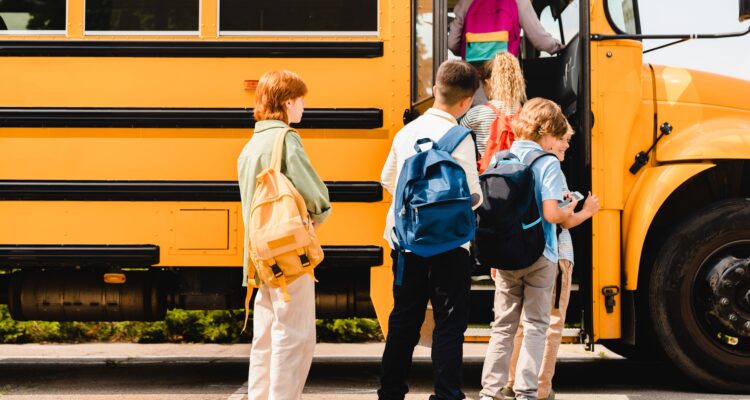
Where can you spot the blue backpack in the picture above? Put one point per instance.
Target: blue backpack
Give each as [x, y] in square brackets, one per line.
[510, 233]
[433, 201]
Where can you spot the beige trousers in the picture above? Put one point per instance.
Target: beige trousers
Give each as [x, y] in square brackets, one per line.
[283, 341]
[554, 334]
[528, 290]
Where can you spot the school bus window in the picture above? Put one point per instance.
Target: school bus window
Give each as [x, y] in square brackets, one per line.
[570, 20]
[32, 16]
[423, 51]
[319, 16]
[550, 25]
[173, 16]
[623, 15]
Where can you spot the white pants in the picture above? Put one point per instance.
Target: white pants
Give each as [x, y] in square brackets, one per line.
[283, 341]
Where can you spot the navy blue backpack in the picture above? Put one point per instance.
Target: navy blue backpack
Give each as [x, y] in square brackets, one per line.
[433, 201]
[510, 233]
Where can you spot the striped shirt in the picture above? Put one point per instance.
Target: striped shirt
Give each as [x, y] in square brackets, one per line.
[564, 241]
[565, 246]
[479, 120]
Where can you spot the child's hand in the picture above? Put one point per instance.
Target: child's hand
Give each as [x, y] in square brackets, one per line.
[571, 207]
[591, 204]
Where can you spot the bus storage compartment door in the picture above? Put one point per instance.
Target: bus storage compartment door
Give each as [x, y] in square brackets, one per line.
[201, 229]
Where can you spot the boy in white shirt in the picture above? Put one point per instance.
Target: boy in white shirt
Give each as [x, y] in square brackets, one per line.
[443, 279]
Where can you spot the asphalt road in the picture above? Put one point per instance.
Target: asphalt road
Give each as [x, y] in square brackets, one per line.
[350, 377]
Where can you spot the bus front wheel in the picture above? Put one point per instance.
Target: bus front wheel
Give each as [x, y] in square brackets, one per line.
[700, 296]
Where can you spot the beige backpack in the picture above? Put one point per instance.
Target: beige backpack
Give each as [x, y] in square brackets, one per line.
[282, 241]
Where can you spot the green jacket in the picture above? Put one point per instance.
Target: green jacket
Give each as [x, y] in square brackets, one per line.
[256, 157]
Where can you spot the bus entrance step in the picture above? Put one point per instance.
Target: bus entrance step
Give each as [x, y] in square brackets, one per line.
[488, 284]
[570, 335]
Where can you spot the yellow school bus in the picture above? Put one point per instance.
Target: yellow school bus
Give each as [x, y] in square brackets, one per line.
[121, 122]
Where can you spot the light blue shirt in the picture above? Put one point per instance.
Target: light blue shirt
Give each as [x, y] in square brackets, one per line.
[550, 183]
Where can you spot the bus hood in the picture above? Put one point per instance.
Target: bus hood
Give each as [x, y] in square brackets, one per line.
[682, 85]
[710, 115]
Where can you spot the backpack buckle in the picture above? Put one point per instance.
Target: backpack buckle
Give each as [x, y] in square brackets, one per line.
[420, 142]
[304, 260]
[277, 272]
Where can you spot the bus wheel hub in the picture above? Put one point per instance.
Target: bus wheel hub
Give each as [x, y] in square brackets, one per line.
[729, 280]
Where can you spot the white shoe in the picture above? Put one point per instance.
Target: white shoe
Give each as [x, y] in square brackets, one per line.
[483, 397]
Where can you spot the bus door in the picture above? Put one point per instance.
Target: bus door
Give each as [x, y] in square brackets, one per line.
[563, 79]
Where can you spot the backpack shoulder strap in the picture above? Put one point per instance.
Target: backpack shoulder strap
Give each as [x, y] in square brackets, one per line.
[278, 150]
[506, 155]
[452, 138]
[507, 119]
[534, 155]
[493, 108]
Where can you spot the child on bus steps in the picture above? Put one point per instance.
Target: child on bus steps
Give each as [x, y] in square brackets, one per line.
[484, 16]
[527, 293]
[503, 79]
[283, 331]
[561, 293]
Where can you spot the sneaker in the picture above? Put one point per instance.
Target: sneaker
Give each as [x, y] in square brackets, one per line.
[551, 396]
[508, 392]
[483, 397]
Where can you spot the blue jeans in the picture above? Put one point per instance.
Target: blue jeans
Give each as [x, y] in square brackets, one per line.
[445, 280]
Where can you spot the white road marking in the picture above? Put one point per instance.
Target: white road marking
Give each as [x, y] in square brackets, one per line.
[240, 393]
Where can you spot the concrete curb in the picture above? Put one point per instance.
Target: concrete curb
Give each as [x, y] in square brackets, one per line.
[132, 353]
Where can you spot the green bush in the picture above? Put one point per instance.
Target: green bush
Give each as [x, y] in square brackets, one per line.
[222, 327]
[348, 330]
[155, 332]
[216, 326]
[9, 329]
[179, 326]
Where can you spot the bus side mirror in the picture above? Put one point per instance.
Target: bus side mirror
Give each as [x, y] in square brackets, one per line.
[744, 10]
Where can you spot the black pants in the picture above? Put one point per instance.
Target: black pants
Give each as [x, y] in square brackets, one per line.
[445, 280]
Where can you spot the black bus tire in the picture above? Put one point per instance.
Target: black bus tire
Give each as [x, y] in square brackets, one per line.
[693, 338]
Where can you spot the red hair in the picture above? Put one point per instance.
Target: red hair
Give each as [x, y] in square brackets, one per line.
[274, 88]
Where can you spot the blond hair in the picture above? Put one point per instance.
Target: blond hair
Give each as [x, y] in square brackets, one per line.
[505, 78]
[540, 117]
[274, 88]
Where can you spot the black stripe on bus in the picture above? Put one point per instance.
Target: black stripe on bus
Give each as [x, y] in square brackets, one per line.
[313, 118]
[17, 190]
[202, 49]
[352, 256]
[78, 255]
[44, 255]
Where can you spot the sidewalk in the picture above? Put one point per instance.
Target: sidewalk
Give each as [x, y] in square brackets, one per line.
[106, 353]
